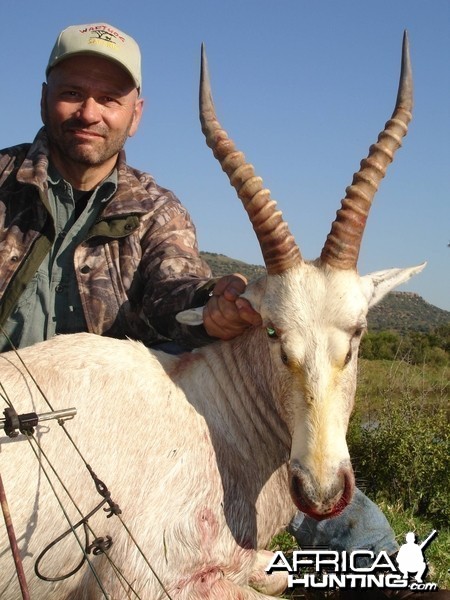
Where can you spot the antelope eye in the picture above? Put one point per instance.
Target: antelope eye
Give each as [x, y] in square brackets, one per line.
[271, 332]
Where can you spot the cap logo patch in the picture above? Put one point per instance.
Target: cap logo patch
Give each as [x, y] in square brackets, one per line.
[101, 32]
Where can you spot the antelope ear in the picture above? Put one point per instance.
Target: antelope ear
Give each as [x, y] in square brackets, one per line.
[190, 316]
[255, 292]
[377, 285]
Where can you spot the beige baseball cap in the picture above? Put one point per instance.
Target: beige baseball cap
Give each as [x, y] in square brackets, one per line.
[102, 39]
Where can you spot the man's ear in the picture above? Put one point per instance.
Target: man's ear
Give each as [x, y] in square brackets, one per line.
[137, 115]
[377, 285]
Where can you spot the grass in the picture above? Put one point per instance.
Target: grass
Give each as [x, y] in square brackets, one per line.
[382, 379]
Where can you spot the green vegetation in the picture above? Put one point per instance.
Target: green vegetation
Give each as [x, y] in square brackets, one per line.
[399, 436]
[399, 440]
[431, 348]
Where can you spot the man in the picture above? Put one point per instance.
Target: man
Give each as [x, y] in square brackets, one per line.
[88, 243]
[410, 558]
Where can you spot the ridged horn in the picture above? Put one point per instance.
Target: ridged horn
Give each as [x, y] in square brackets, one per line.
[279, 250]
[342, 245]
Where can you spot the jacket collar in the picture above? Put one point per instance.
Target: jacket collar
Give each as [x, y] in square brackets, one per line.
[33, 170]
[130, 192]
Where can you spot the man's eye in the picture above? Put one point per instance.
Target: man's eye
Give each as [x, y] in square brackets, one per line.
[70, 94]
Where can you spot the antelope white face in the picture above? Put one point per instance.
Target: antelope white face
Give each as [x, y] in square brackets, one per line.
[315, 317]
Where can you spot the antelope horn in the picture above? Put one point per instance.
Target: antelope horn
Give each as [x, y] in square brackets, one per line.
[342, 245]
[278, 246]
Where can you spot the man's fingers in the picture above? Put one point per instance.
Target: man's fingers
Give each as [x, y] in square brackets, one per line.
[247, 312]
[230, 286]
[226, 314]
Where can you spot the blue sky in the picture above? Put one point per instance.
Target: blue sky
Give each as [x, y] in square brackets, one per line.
[302, 87]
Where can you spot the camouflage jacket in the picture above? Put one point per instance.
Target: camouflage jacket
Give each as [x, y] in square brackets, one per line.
[138, 266]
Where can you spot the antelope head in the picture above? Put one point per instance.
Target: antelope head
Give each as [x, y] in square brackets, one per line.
[314, 312]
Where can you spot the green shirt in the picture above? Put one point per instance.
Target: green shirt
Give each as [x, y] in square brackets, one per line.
[50, 303]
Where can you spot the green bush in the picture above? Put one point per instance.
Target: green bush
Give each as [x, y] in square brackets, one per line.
[414, 347]
[437, 356]
[402, 454]
[383, 345]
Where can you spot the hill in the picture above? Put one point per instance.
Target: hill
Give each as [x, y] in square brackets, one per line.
[223, 265]
[406, 311]
[399, 311]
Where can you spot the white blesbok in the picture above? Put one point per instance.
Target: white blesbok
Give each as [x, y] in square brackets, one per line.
[200, 450]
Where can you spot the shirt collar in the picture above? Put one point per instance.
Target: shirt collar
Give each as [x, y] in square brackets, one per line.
[103, 192]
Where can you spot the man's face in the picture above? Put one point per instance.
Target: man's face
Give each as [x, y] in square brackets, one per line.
[89, 107]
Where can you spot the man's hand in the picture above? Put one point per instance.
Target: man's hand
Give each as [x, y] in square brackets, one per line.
[226, 315]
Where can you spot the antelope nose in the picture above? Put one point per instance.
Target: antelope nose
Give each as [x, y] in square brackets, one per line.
[321, 501]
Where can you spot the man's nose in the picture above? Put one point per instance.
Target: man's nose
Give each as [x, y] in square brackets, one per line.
[89, 111]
